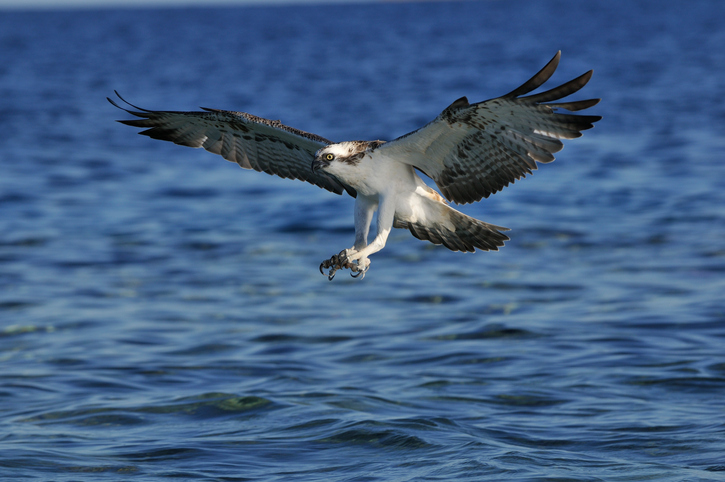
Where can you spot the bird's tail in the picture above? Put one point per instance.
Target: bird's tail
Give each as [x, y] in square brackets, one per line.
[456, 231]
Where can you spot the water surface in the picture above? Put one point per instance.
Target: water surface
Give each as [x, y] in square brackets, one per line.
[161, 312]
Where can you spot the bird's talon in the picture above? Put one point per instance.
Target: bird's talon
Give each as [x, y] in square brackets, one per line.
[342, 257]
[340, 261]
[333, 264]
[358, 271]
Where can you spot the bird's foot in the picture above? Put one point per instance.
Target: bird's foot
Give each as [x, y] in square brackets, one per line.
[360, 267]
[341, 261]
[336, 262]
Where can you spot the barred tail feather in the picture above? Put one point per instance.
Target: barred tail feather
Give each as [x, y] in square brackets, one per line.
[467, 234]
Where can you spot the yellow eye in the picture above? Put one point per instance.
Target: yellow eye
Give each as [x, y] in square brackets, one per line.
[329, 156]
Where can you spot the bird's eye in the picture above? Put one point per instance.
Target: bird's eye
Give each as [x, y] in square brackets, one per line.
[329, 156]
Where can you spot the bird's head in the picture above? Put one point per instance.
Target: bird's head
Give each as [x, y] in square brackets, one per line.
[333, 157]
[326, 156]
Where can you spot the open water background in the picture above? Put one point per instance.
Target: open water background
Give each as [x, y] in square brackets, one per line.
[161, 312]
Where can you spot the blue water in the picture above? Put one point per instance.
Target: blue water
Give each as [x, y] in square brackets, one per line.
[161, 312]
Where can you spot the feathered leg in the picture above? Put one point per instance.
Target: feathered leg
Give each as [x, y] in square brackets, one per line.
[386, 215]
[364, 209]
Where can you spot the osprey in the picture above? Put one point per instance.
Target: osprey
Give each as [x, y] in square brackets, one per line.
[470, 150]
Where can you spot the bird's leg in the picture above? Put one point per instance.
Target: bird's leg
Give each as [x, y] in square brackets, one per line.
[364, 209]
[359, 258]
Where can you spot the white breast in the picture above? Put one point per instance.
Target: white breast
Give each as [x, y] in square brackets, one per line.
[376, 175]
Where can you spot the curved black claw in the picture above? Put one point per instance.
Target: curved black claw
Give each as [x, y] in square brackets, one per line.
[335, 263]
[356, 271]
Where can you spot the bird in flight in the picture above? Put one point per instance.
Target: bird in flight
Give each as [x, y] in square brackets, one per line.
[470, 151]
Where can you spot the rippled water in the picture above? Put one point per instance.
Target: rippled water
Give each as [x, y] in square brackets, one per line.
[161, 312]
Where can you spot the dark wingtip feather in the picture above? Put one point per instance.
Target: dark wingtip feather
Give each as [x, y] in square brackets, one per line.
[561, 91]
[537, 80]
[132, 105]
[140, 113]
[113, 103]
[591, 119]
[575, 105]
[136, 122]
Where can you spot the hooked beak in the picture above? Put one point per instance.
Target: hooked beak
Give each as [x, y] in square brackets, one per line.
[318, 163]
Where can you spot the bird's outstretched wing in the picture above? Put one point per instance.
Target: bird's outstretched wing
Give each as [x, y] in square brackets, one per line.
[252, 142]
[474, 150]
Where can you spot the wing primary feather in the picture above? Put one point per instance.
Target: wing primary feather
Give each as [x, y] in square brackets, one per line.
[576, 105]
[561, 91]
[577, 122]
[537, 80]
[127, 102]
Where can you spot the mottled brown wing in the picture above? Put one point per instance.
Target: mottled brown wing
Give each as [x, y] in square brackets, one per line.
[252, 142]
[474, 150]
